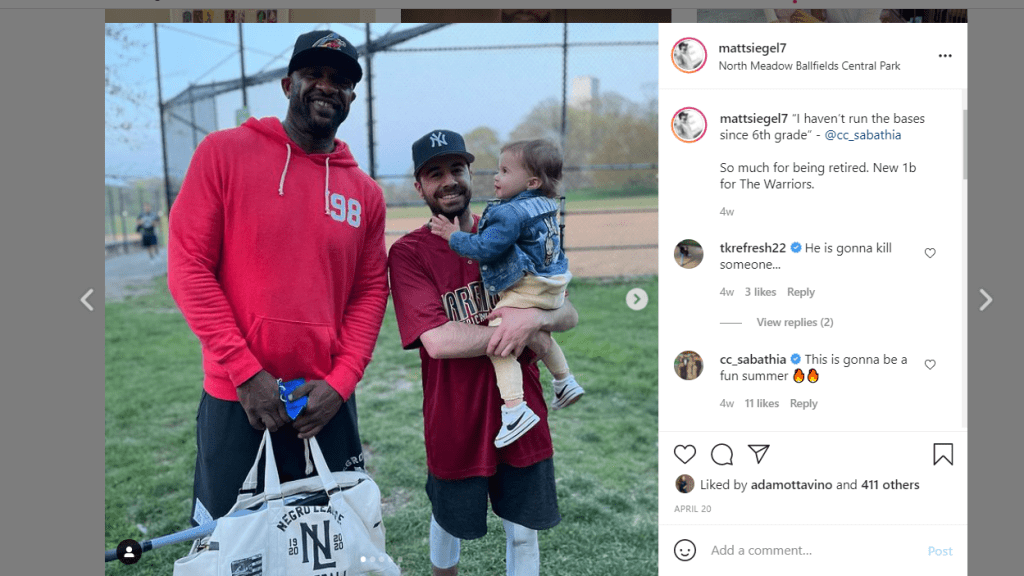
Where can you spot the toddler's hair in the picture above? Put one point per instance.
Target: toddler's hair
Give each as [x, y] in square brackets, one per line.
[542, 159]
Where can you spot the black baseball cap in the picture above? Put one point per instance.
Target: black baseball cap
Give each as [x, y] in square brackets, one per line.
[321, 47]
[438, 143]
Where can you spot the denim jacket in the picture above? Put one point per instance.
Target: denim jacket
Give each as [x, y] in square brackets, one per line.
[515, 237]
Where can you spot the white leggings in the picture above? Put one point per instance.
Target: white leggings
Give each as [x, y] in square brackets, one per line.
[522, 550]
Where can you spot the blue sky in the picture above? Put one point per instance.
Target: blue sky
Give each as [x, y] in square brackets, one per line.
[414, 92]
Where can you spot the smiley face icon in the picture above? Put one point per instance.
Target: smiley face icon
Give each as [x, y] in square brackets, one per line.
[685, 550]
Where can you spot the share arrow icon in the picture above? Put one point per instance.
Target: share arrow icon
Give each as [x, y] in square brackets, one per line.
[759, 450]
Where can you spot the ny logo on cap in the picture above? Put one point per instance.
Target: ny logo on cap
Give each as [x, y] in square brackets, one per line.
[437, 139]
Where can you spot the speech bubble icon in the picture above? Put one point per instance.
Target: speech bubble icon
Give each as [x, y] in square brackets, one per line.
[722, 455]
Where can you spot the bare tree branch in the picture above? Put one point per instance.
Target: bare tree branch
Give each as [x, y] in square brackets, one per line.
[123, 95]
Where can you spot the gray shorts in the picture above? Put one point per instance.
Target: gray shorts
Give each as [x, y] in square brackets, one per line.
[525, 496]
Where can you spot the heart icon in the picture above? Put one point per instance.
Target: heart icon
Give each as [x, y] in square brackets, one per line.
[929, 252]
[929, 364]
[685, 453]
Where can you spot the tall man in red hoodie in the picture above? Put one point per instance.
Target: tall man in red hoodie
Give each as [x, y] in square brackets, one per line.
[277, 261]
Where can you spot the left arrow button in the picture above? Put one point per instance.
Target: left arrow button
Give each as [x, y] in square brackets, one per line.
[85, 299]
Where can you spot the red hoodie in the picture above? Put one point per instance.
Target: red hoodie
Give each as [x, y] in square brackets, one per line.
[276, 259]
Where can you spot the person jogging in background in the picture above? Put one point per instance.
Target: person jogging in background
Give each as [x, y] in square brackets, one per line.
[147, 223]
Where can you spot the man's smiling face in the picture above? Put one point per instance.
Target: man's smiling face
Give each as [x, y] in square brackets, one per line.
[319, 99]
[446, 184]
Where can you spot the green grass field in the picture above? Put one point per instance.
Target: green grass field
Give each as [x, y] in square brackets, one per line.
[605, 445]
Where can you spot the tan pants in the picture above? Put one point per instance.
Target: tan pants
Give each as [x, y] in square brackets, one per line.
[546, 293]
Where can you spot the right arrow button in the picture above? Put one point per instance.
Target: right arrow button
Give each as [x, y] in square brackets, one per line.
[988, 299]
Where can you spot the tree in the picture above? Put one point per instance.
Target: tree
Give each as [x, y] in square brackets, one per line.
[123, 98]
[610, 130]
[484, 144]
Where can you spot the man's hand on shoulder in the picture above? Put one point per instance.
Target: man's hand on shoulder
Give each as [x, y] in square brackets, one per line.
[324, 402]
[261, 400]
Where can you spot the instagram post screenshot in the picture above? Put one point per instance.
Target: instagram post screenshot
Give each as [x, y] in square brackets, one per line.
[812, 324]
[382, 298]
[575, 290]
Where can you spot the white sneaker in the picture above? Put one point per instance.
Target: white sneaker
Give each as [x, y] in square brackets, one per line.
[567, 392]
[514, 423]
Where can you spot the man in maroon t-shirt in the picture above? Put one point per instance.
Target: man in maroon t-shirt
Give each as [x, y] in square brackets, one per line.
[442, 308]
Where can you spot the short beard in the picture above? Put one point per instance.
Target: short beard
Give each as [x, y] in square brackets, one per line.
[300, 110]
[435, 209]
[451, 216]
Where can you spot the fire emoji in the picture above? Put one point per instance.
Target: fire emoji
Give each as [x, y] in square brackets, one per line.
[812, 376]
[798, 376]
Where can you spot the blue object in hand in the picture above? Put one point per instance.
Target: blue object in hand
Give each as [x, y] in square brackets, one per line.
[294, 406]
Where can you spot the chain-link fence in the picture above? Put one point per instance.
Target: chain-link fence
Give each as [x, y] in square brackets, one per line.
[562, 82]
[592, 88]
[494, 83]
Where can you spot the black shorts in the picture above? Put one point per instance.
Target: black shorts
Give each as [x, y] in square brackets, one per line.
[148, 237]
[227, 444]
[525, 496]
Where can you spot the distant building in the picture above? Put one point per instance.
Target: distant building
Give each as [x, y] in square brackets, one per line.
[585, 91]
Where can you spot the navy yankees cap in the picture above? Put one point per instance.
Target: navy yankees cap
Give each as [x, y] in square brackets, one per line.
[323, 47]
[438, 143]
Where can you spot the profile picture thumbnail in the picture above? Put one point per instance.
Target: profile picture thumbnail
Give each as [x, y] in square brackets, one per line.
[685, 483]
[689, 124]
[689, 55]
[689, 365]
[689, 253]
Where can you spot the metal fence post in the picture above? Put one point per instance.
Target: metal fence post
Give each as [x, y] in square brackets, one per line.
[124, 219]
[241, 57]
[113, 218]
[369, 95]
[160, 108]
[565, 76]
[192, 115]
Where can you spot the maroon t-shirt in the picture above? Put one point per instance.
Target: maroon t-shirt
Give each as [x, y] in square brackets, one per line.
[431, 285]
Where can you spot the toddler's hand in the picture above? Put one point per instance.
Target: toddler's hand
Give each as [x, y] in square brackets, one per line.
[442, 226]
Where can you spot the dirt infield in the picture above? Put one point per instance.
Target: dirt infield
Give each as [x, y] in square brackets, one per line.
[588, 230]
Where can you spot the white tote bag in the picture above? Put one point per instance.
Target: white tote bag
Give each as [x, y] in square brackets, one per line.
[342, 538]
